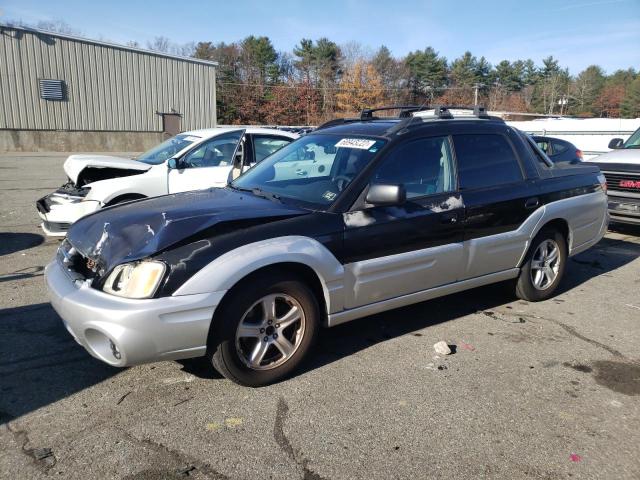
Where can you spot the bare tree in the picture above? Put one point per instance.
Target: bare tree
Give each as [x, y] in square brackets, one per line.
[354, 52]
[58, 26]
[184, 50]
[159, 44]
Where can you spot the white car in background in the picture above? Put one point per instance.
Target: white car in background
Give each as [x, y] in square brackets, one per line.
[189, 161]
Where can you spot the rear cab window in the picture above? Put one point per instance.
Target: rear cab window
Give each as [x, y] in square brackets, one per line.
[543, 162]
[485, 161]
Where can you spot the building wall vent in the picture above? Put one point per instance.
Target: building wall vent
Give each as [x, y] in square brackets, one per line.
[51, 89]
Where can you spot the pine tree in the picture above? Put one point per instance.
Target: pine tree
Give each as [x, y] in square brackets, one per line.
[630, 106]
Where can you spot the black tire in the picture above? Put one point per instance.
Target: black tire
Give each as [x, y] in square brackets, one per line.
[222, 346]
[525, 287]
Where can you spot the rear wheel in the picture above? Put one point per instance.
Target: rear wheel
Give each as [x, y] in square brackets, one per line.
[264, 330]
[544, 266]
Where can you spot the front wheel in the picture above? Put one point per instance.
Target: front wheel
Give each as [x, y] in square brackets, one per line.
[544, 266]
[265, 330]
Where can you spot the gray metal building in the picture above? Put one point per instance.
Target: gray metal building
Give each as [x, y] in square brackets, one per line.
[60, 92]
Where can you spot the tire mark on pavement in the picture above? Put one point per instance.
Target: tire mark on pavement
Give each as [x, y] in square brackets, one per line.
[567, 328]
[572, 331]
[281, 439]
[178, 457]
[42, 457]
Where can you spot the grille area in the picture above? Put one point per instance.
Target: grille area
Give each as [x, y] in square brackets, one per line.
[57, 226]
[623, 182]
[76, 264]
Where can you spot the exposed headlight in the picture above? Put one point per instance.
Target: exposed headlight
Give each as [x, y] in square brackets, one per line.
[83, 192]
[135, 280]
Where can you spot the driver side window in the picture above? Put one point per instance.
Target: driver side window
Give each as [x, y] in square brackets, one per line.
[423, 166]
[217, 152]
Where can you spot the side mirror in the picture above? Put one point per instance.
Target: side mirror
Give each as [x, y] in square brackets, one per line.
[616, 143]
[172, 163]
[385, 195]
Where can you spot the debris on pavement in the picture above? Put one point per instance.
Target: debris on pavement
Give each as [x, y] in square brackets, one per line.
[574, 457]
[233, 422]
[42, 453]
[123, 397]
[213, 426]
[467, 346]
[186, 471]
[442, 348]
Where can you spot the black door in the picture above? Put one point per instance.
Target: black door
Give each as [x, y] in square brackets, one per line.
[498, 200]
[396, 250]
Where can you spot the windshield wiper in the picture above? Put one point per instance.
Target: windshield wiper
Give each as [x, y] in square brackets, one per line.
[238, 189]
[258, 192]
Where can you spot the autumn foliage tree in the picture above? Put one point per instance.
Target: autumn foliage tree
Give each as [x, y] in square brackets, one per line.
[319, 80]
[609, 100]
[361, 87]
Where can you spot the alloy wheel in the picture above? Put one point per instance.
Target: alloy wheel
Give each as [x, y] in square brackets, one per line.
[270, 331]
[545, 264]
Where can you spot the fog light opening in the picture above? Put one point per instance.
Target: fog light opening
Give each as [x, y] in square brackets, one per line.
[114, 350]
[103, 347]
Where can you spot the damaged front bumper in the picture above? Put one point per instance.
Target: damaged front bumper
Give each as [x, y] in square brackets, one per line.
[59, 210]
[124, 332]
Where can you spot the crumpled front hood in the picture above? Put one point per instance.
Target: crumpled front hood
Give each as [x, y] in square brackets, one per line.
[623, 155]
[76, 163]
[137, 230]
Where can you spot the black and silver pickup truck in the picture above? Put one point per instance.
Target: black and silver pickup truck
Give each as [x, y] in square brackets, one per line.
[621, 168]
[358, 217]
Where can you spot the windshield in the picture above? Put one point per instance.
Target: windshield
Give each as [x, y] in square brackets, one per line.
[634, 140]
[312, 170]
[167, 149]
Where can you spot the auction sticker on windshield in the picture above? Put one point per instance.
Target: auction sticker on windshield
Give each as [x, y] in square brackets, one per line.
[361, 143]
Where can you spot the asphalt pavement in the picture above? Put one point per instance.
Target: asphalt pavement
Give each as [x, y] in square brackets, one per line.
[548, 390]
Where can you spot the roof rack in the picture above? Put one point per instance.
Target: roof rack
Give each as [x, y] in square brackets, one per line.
[405, 111]
[444, 111]
[336, 121]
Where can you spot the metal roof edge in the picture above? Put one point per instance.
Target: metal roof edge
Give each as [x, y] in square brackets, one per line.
[106, 44]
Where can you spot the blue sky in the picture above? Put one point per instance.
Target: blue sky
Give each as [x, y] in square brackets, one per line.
[577, 32]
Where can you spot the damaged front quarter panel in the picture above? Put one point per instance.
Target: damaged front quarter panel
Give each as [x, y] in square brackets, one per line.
[171, 228]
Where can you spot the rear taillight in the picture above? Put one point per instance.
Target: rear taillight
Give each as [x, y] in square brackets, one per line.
[579, 154]
[603, 182]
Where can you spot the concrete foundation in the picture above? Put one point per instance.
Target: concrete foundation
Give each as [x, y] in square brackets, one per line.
[66, 141]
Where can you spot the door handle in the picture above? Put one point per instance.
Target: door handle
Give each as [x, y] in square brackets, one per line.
[449, 218]
[301, 172]
[532, 202]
